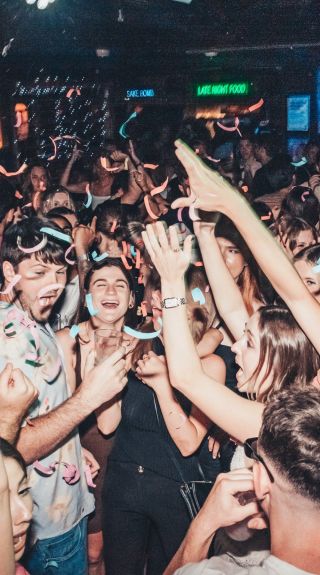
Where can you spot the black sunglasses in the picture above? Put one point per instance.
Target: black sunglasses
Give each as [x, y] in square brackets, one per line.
[250, 449]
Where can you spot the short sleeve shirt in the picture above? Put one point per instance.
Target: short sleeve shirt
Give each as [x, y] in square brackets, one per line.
[58, 483]
[219, 566]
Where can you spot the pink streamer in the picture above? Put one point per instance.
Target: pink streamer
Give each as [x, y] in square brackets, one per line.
[160, 189]
[15, 280]
[35, 248]
[49, 288]
[303, 196]
[234, 128]
[256, 106]
[151, 166]
[44, 470]
[87, 472]
[148, 208]
[71, 262]
[71, 473]
[11, 174]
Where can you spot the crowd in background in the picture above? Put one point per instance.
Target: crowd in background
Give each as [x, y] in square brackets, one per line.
[159, 403]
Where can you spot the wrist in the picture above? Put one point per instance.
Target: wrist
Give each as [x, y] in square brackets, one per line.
[173, 288]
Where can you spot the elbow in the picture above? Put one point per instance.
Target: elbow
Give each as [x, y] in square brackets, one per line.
[188, 450]
[106, 429]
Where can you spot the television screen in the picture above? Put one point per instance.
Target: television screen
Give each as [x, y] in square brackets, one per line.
[298, 113]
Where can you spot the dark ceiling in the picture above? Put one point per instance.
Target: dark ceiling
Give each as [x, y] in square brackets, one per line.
[160, 36]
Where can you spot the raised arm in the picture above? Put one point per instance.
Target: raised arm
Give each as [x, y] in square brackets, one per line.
[213, 193]
[239, 417]
[226, 293]
[65, 177]
[6, 537]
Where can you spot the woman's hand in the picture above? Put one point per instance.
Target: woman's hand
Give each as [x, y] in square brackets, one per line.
[152, 370]
[171, 262]
[84, 236]
[209, 191]
[91, 462]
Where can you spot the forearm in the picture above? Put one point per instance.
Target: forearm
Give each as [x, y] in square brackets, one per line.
[9, 430]
[226, 293]
[64, 180]
[194, 547]
[181, 428]
[44, 434]
[109, 416]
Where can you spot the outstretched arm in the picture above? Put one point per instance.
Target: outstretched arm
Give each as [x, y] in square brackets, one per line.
[213, 193]
[7, 553]
[226, 293]
[239, 417]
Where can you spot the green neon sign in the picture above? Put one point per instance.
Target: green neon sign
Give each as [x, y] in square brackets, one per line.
[223, 89]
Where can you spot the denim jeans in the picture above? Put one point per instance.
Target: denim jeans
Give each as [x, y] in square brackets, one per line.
[62, 555]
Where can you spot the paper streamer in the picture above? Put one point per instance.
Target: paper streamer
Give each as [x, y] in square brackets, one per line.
[98, 258]
[71, 473]
[207, 289]
[57, 139]
[122, 129]
[88, 203]
[198, 296]
[256, 106]
[148, 208]
[267, 217]
[35, 248]
[138, 259]
[143, 306]
[11, 174]
[160, 188]
[43, 469]
[133, 251]
[87, 472]
[198, 264]
[125, 262]
[143, 335]
[74, 330]
[302, 162]
[124, 248]
[72, 90]
[114, 226]
[56, 234]
[90, 305]
[151, 166]
[49, 288]
[16, 278]
[68, 251]
[303, 196]
[234, 128]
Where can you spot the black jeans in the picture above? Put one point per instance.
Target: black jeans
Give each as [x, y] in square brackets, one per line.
[144, 520]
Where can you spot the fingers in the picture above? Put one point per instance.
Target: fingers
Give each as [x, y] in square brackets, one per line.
[115, 357]
[182, 203]
[6, 373]
[187, 246]
[174, 240]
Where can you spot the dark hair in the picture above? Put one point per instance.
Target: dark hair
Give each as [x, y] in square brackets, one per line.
[264, 212]
[301, 203]
[279, 172]
[310, 254]
[27, 187]
[288, 230]
[290, 438]
[28, 231]
[269, 142]
[8, 198]
[107, 263]
[285, 350]
[11, 452]
[60, 211]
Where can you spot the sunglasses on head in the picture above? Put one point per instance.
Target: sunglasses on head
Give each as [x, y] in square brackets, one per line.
[250, 449]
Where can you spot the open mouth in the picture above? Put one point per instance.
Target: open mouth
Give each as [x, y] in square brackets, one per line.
[47, 300]
[110, 304]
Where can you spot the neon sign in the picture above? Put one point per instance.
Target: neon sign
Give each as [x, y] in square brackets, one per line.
[223, 89]
[141, 93]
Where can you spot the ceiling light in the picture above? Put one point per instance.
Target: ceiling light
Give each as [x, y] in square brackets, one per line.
[103, 52]
[183, 1]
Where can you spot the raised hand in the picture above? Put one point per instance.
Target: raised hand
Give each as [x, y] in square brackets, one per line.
[171, 262]
[209, 191]
[152, 370]
[17, 394]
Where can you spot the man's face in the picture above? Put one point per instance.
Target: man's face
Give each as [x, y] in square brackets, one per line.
[246, 149]
[37, 275]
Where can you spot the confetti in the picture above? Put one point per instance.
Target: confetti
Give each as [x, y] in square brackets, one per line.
[302, 162]
[98, 258]
[88, 203]
[68, 251]
[198, 264]
[90, 305]
[74, 330]
[141, 334]
[39, 246]
[56, 234]
[256, 106]
[7, 48]
[160, 188]
[148, 208]
[16, 278]
[12, 174]
[198, 296]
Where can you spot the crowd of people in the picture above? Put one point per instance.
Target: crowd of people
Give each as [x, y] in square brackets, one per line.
[160, 364]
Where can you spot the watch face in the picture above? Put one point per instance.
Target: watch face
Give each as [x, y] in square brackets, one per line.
[171, 302]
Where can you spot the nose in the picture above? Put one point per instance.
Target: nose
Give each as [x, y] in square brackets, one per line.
[23, 511]
[235, 348]
[111, 289]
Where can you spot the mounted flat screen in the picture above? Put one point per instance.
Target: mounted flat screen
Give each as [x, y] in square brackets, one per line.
[298, 113]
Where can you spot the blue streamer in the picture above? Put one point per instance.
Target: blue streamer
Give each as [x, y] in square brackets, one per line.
[74, 330]
[122, 129]
[198, 296]
[98, 258]
[56, 234]
[90, 305]
[141, 334]
[302, 162]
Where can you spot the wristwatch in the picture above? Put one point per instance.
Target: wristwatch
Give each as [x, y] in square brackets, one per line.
[170, 302]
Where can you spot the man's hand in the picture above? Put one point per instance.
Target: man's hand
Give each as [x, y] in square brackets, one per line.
[222, 508]
[104, 381]
[17, 394]
[91, 462]
[84, 236]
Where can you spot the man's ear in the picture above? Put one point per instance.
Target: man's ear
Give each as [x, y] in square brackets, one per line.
[8, 271]
[262, 483]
